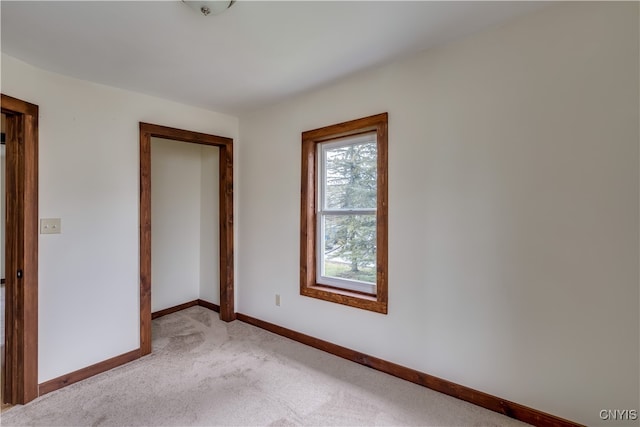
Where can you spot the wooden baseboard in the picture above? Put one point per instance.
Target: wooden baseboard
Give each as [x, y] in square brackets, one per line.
[510, 409]
[89, 371]
[98, 368]
[173, 309]
[209, 305]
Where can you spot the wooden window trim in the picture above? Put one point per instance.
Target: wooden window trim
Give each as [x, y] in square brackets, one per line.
[308, 285]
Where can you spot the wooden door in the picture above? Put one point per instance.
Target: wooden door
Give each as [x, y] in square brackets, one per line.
[21, 255]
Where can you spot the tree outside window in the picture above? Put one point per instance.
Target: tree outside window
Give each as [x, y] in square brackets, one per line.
[343, 255]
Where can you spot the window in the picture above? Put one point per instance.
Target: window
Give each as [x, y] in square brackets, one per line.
[344, 213]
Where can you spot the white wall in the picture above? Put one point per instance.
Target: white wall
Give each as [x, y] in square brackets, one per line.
[513, 211]
[184, 223]
[175, 223]
[209, 225]
[89, 167]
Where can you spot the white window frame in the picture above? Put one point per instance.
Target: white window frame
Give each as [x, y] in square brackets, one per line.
[322, 211]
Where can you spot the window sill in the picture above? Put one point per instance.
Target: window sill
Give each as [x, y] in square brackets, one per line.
[341, 296]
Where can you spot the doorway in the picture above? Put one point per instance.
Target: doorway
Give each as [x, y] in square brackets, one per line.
[225, 212]
[20, 371]
[185, 242]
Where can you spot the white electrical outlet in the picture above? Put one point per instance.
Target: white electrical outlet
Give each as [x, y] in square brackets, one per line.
[50, 226]
[278, 300]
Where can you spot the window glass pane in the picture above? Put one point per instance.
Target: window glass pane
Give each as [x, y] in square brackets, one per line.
[350, 176]
[349, 247]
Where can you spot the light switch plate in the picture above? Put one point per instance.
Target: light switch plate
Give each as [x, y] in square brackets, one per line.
[50, 226]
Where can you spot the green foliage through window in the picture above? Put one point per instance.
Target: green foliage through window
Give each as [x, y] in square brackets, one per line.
[349, 214]
[351, 177]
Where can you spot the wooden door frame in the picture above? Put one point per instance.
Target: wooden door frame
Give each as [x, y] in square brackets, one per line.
[227, 310]
[21, 315]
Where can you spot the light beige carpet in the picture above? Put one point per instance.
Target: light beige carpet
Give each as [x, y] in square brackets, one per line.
[207, 372]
